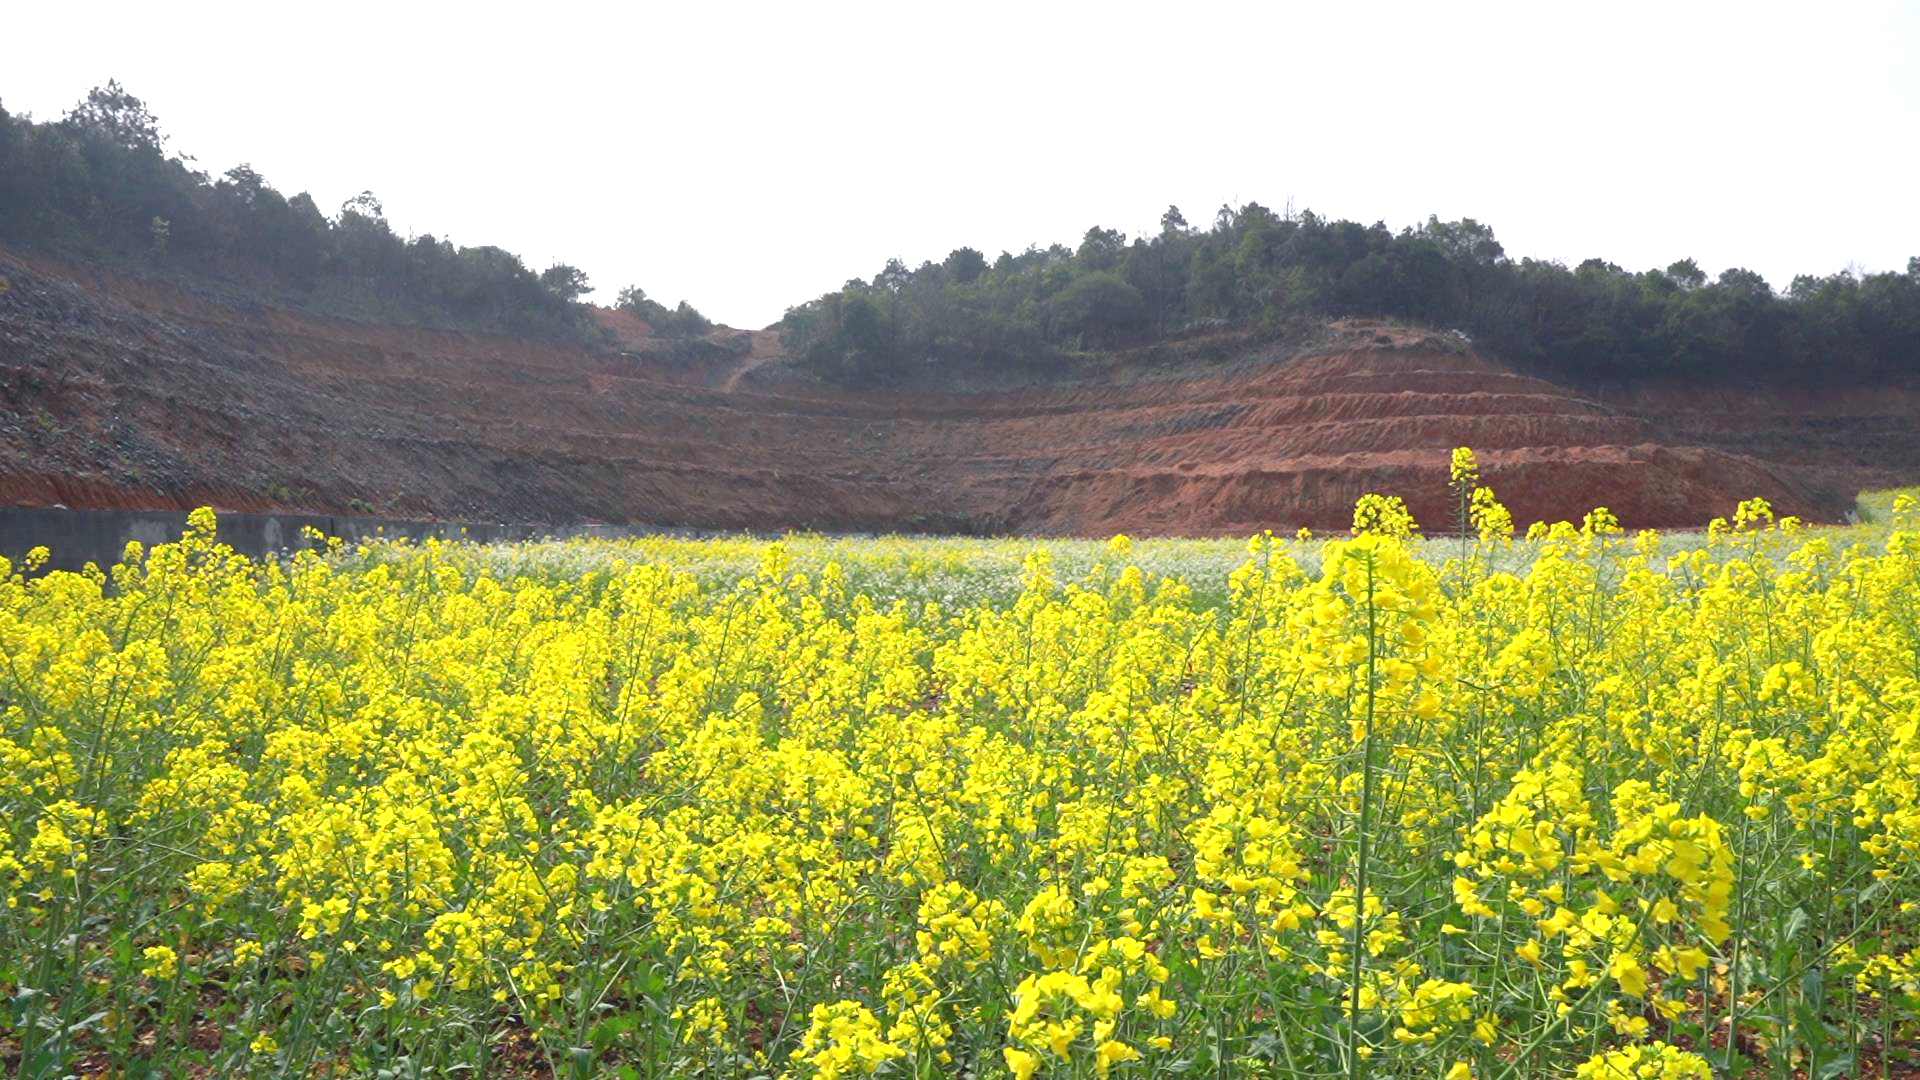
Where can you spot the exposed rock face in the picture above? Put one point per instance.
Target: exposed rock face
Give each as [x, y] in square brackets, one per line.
[123, 393]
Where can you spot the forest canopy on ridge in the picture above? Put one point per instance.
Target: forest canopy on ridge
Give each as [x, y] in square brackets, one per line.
[100, 183]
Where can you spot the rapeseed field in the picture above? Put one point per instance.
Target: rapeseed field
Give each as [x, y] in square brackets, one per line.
[1571, 804]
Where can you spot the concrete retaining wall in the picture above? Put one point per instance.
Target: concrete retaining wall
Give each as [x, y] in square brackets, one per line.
[78, 537]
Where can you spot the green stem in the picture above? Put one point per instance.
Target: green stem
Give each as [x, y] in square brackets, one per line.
[1356, 1064]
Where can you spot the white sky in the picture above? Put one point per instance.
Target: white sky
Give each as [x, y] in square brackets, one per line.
[747, 158]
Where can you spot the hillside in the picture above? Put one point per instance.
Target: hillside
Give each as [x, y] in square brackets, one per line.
[119, 392]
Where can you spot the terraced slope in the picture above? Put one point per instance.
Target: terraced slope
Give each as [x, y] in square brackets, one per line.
[127, 394]
[1300, 442]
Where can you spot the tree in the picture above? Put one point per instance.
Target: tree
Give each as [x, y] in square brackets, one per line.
[964, 265]
[841, 335]
[1473, 251]
[17, 189]
[1101, 249]
[117, 117]
[1100, 307]
[684, 322]
[892, 277]
[1687, 274]
[1745, 281]
[1173, 222]
[365, 206]
[634, 299]
[99, 180]
[245, 184]
[1464, 241]
[569, 283]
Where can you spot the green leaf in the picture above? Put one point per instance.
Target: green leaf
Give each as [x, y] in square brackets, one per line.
[1835, 1069]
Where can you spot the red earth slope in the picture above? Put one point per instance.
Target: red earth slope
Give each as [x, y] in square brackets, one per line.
[124, 393]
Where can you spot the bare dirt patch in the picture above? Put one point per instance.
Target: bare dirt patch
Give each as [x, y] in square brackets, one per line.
[130, 394]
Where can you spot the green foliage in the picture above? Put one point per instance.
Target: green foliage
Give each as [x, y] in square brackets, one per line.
[100, 183]
[1260, 269]
[569, 283]
[678, 322]
[842, 334]
[964, 265]
[685, 322]
[1100, 308]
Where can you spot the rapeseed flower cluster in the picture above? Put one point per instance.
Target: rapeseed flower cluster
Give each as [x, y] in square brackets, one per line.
[1378, 807]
